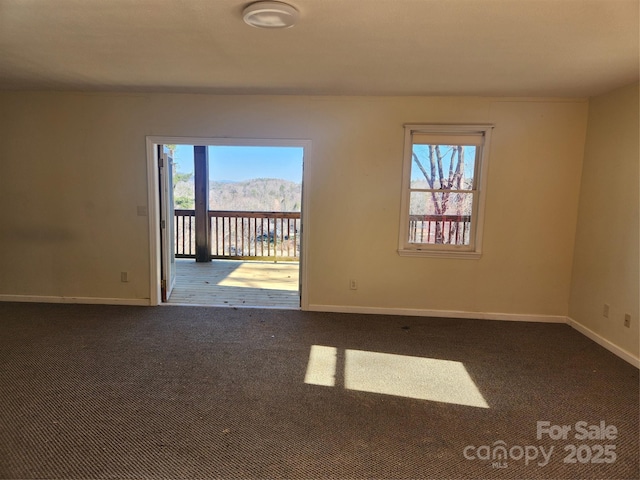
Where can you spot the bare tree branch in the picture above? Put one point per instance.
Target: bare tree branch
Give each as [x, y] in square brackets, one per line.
[432, 161]
[459, 174]
[440, 170]
[451, 163]
[422, 169]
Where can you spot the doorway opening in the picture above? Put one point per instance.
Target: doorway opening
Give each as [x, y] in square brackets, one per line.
[229, 222]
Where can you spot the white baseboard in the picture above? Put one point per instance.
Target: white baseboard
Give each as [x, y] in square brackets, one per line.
[83, 300]
[415, 312]
[600, 340]
[513, 317]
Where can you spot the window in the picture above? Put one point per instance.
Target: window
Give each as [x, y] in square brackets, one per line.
[443, 190]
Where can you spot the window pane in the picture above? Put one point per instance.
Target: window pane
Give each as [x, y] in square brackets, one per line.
[440, 218]
[443, 167]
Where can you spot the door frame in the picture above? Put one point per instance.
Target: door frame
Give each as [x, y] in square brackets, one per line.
[153, 201]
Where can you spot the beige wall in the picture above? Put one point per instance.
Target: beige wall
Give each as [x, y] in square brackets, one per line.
[606, 263]
[73, 171]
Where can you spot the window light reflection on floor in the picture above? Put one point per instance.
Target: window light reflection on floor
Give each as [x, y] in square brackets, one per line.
[391, 374]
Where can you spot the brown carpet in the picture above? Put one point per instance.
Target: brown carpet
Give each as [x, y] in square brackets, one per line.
[188, 392]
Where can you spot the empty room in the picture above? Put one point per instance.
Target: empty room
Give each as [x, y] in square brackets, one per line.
[446, 287]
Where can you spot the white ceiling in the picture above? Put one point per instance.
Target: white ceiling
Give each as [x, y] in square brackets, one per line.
[364, 47]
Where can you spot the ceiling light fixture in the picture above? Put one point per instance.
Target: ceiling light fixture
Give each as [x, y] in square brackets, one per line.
[270, 15]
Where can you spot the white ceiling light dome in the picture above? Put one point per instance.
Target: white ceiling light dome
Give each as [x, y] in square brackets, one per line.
[270, 15]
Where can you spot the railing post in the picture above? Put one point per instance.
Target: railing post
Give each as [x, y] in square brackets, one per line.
[201, 168]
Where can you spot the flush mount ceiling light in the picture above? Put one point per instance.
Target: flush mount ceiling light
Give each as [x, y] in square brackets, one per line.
[270, 15]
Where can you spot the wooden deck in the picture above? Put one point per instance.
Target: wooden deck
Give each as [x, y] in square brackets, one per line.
[236, 283]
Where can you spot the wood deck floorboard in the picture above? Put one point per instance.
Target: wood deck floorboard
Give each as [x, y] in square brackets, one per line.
[237, 283]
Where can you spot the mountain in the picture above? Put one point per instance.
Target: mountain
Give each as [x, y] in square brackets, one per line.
[258, 194]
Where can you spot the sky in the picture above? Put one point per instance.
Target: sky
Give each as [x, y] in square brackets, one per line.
[234, 164]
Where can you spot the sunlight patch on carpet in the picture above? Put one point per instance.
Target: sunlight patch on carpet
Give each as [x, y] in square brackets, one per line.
[420, 378]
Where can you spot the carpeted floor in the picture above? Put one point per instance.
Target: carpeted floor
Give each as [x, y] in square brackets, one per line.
[188, 392]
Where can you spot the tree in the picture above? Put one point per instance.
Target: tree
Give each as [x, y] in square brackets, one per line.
[443, 186]
[186, 203]
[182, 188]
[181, 177]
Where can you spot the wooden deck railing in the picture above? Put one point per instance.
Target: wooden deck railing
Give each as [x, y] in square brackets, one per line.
[242, 235]
[185, 233]
[247, 235]
[437, 229]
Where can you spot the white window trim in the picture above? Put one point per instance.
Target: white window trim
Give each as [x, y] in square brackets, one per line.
[473, 251]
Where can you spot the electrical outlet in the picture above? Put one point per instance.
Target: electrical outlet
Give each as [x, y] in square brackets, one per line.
[124, 277]
[605, 310]
[353, 285]
[627, 320]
